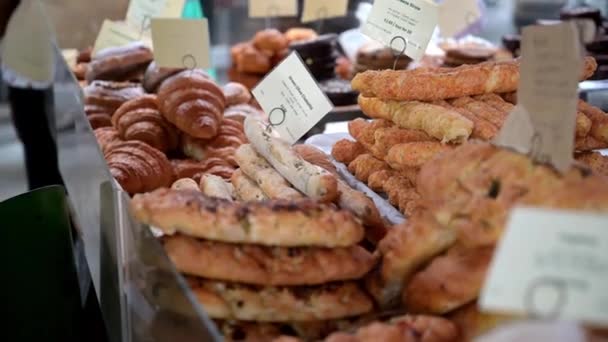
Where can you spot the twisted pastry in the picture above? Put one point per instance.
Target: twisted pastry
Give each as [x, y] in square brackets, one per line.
[102, 98]
[192, 102]
[106, 136]
[188, 168]
[140, 119]
[138, 167]
[223, 146]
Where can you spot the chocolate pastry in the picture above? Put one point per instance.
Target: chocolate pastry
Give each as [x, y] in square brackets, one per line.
[468, 55]
[123, 63]
[374, 56]
[512, 42]
[140, 119]
[102, 98]
[339, 92]
[154, 76]
[324, 45]
[192, 102]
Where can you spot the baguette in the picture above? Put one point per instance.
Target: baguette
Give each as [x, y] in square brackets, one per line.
[245, 188]
[414, 155]
[267, 178]
[439, 122]
[271, 223]
[312, 180]
[429, 85]
[215, 186]
[482, 129]
[315, 156]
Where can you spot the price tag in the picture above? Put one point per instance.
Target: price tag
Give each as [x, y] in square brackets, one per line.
[181, 43]
[323, 9]
[140, 12]
[456, 15]
[411, 22]
[28, 43]
[549, 75]
[273, 8]
[292, 98]
[116, 33]
[551, 264]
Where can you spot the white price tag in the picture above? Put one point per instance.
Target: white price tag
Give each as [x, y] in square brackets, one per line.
[28, 43]
[140, 12]
[456, 15]
[403, 25]
[116, 33]
[548, 91]
[323, 9]
[273, 8]
[292, 98]
[181, 43]
[551, 264]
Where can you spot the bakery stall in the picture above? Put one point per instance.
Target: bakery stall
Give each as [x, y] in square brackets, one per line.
[214, 202]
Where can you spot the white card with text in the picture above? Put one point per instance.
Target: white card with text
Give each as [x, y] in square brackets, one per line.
[292, 99]
[393, 22]
[551, 264]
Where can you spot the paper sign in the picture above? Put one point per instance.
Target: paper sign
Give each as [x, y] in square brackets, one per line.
[393, 22]
[116, 33]
[181, 43]
[273, 8]
[323, 9]
[28, 43]
[292, 98]
[551, 264]
[456, 15]
[549, 73]
[140, 12]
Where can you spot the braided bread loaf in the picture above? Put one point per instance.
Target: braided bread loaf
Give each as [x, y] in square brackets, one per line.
[138, 167]
[140, 119]
[192, 102]
[102, 98]
[223, 146]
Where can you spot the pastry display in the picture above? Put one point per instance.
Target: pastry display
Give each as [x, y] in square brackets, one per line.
[155, 75]
[223, 145]
[124, 63]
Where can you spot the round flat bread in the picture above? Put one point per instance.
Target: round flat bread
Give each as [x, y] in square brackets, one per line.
[262, 265]
[284, 223]
[280, 304]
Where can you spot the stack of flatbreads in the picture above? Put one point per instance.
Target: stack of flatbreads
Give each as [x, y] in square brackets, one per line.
[419, 114]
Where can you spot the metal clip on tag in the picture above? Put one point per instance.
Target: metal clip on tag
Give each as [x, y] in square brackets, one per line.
[272, 11]
[322, 14]
[397, 53]
[145, 26]
[189, 62]
[537, 293]
[278, 113]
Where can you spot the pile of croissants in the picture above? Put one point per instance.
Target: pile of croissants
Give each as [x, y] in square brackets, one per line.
[177, 123]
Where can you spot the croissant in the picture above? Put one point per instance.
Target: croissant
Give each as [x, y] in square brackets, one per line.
[140, 119]
[223, 146]
[193, 103]
[138, 167]
[102, 98]
[189, 168]
[106, 136]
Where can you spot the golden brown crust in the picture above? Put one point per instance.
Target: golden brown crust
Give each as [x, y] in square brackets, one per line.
[431, 85]
[414, 154]
[449, 281]
[481, 110]
[437, 121]
[364, 165]
[106, 136]
[345, 151]
[376, 180]
[190, 168]
[595, 160]
[280, 304]
[276, 222]
[270, 266]
[140, 119]
[193, 103]
[405, 248]
[385, 138]
[315, 156]
[270, 39]
[407, 328]
[229, 137]
[482, 129]
[138, 167]
[599, 120]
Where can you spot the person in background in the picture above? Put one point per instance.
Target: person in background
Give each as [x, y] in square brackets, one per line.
[32, 112]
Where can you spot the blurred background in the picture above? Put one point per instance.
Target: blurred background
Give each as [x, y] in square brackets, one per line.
[77, 23]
